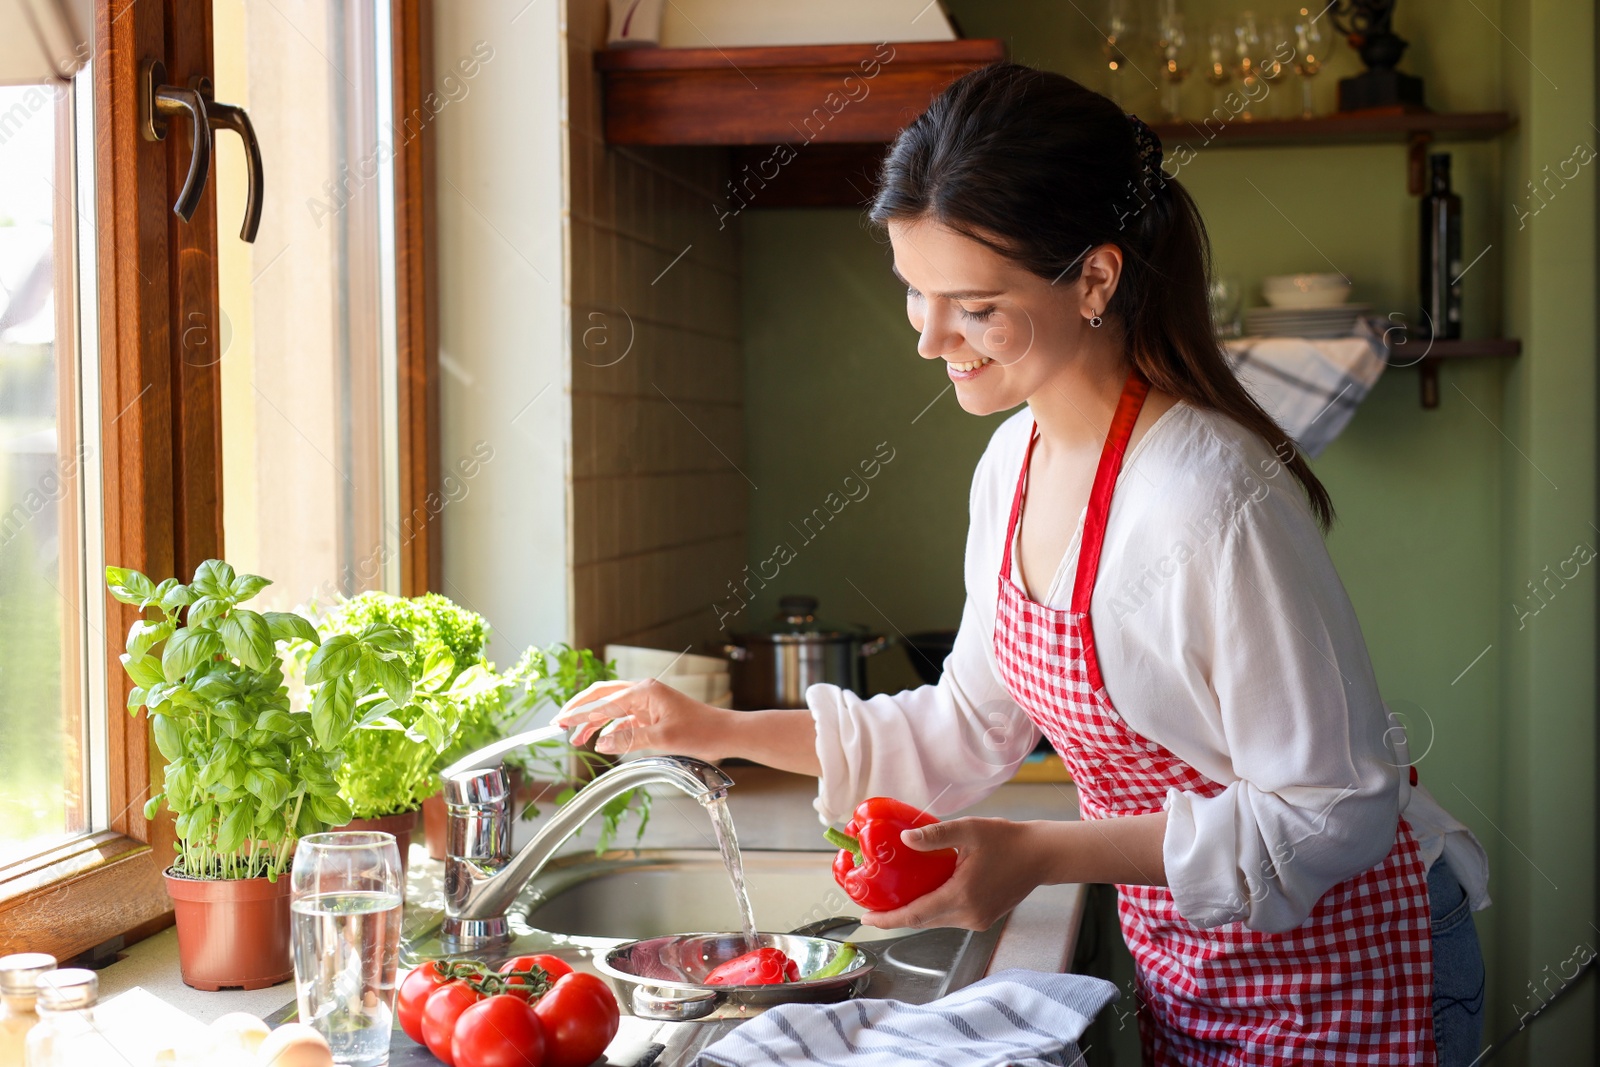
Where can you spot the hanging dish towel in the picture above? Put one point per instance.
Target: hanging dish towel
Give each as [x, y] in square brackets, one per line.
[1311, 388]
[1018, 1017]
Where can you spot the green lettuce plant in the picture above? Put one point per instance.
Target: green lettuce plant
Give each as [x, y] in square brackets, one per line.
[246, 774]
[459, 704]
[392, 760]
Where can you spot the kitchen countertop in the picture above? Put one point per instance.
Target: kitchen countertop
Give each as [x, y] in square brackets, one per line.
[771, 810]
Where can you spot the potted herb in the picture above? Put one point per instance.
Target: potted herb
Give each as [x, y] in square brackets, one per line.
[392, 758]
[246, 774]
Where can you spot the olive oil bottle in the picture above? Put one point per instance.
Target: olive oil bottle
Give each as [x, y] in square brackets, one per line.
[1441, 253]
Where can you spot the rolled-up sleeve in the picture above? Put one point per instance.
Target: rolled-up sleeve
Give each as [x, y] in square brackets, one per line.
[941, 747]
[1312, 794]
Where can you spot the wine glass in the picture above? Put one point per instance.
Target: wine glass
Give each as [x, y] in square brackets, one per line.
[1177, 57]
[1274, 43]
[1310, 47]
[1247, 62]
[346, 900]
[1219, 64]
[1117, 28]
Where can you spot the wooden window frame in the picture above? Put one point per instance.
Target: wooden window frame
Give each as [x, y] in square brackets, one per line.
[416, 298]
[160, 419]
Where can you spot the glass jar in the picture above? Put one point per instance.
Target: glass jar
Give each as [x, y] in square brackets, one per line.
[17, 994]
[67, 1034]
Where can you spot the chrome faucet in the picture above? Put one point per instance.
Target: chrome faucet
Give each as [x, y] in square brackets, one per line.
[481, 878]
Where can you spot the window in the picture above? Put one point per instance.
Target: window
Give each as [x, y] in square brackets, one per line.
[113, 406]
[52, 766]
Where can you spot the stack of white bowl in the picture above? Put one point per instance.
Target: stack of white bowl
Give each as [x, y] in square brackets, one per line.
[1304, 305]
[705, 678]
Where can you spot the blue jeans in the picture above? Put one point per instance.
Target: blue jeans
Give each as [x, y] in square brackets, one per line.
[1457, 970]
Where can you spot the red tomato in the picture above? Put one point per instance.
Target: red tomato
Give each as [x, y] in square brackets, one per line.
[439, 1017]
[580, 1018]
[554, 966]
[414, 993]
[502, 1031]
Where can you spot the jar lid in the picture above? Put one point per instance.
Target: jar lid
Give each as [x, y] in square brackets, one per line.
[18, 972]
[68, 989]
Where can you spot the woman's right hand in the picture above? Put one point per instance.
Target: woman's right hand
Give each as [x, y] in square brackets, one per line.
[647, 715]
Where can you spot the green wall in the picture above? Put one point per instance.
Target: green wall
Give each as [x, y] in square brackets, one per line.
[832, 372]
[1445, 515]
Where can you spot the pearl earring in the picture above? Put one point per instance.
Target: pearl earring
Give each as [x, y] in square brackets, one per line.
[1095, 320]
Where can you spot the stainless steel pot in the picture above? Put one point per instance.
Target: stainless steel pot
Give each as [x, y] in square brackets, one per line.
[773, 667]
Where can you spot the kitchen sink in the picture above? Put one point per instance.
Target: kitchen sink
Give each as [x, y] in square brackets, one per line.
[582, 905]
[681, 891]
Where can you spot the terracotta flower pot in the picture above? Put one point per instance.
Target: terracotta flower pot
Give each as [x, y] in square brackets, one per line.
[434, 822]
[402, 826]
[232, 934]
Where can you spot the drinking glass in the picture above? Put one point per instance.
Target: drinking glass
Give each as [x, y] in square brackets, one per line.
[1275, 42]
[346, 901]
[1117, 29]
[1225, 298]
[1310, 46]
[1176, 55]
[1219, 66]
[1247, 63]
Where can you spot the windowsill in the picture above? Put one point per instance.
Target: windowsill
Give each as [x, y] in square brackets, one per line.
[152, 964]
[83, 893]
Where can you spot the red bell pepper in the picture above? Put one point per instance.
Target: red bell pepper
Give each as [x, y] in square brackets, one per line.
[764, 966]
[878, 870]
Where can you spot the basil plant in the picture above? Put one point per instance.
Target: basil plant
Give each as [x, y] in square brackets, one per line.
[247, 775]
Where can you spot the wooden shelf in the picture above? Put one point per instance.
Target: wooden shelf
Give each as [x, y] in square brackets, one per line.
[794, 95]
[1439, 351]
[1415, 129]
[1358, 127]
[834, 107]
[1492, 347]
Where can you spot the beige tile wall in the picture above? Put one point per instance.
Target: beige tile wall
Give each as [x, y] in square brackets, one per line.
[658, 505]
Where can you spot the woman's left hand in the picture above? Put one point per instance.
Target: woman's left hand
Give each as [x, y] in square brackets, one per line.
[996, 866]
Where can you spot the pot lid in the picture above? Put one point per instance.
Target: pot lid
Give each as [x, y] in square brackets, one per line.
[797, 620]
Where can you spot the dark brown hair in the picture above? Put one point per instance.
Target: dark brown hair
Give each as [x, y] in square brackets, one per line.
[1041, 170]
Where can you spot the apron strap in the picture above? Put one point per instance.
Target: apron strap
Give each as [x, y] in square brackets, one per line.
[1105, 480]
[1016, 504]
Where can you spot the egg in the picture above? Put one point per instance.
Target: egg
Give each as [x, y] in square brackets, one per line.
[238, 1035]
[294, 1045]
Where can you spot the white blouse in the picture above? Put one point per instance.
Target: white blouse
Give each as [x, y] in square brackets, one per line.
[1224, 634]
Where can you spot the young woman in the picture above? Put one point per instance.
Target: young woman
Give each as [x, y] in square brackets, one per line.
[1147, 587]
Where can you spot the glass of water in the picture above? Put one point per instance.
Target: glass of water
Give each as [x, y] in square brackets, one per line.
[346, 899]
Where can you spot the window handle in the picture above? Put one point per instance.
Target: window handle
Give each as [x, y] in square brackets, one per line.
[160, 102]
[232, 117]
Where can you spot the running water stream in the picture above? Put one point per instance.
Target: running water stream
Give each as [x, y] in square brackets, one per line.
[728, 844]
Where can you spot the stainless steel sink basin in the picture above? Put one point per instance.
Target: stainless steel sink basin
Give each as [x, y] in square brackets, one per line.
[582, 905]
[680, 891]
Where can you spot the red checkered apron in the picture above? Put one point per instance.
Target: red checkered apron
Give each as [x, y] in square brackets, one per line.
[1350, 985]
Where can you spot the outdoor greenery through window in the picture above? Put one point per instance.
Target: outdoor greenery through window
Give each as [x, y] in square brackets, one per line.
[51, 748]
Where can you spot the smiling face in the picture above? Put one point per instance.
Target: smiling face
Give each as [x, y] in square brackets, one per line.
[1002, 331]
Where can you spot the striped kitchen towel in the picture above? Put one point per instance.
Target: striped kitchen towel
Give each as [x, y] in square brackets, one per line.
[1018, 1017]
[1311, 387]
